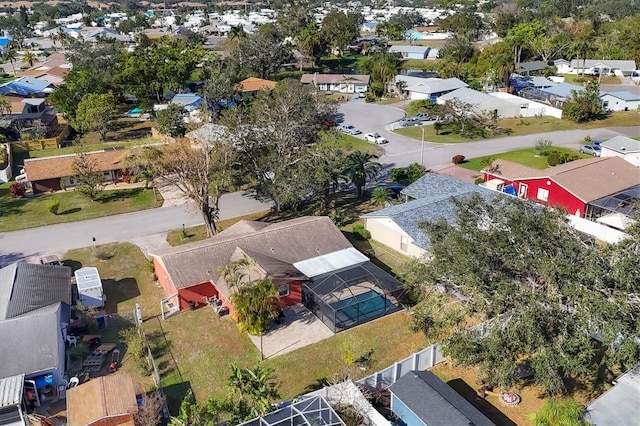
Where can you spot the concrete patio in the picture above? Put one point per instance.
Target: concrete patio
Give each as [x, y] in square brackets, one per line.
[299, 328]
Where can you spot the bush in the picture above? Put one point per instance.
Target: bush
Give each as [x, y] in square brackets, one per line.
[397, 174]
[458, 159]
[478, 180]
[415, 171]
[337, 217]
[53, 206]
[17, 190]
[543, 147]
[369, 97]
[360, 230]
[553, 158]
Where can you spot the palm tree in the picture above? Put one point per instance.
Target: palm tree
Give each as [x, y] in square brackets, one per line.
[29, 57]
[236, 32]
[381, 196]
[10, 55]
[256, 305]
[360, 167]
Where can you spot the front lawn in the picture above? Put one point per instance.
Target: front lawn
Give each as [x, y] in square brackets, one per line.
[91, 147]
[22, 213]
[525, 156]
[350, 143]
[526, 126]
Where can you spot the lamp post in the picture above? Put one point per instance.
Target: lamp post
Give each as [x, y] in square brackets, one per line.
[422, 148]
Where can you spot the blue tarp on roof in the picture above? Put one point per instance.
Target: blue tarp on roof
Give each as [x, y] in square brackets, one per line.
[24, 86]
[4, 41]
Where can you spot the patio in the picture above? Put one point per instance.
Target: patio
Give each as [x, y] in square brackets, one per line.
[299, 328]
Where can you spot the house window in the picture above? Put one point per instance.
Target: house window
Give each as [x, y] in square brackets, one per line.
[283, 290]
[543, 194]
[404, 243]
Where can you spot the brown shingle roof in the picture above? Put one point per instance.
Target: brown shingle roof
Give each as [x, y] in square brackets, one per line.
[253, 84]
[334, 78]
[62, 165]
[101, 397]
[588, 179]
[283, 243]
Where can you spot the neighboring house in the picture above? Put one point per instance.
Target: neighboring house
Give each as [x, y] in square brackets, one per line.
[369, 27]
[429, 88]
[577, 186]
[95, 35]
[410, 52]
[623, 147]
[555, 95]
[604, 67]
[562, 66]
[307, 270]
[398, 226]
[189, 101]
[30, 117]
[620, 101]
[56, 173]
[496, 107]
[53, 69]
[252, 85]
[529, 107]
[341, 83]
[420, 398]
[531, 67]
[26, 87]
[618, 405]
[11, 401]
[103, 401]
[520, 82]
[413, 34]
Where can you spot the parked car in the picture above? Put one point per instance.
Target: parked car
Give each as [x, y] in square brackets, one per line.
[417, 119]
[410, 121]
[349, 129]
[375, 138]
[51, 260]
[591, 149]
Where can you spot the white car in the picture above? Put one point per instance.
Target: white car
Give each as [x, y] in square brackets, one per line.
[375, 138]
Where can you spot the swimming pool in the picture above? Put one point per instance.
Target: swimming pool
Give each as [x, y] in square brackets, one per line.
[362, 307]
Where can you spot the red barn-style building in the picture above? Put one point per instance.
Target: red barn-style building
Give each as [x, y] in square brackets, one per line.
[268, 250]
[571, 186]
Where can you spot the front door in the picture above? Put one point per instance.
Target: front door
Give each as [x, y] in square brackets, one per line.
[522, 190]
[31, 392]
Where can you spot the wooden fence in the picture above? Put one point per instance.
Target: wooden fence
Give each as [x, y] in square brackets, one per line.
[62, 132]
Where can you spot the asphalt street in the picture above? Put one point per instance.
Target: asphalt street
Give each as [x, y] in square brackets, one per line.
[31, 243]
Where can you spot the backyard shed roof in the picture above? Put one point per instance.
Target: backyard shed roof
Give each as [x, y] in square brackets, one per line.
[25, 287]
[435, 402]
[62, 165]
[289, 241]
[42, 326]
[11, 390]
[619, 405]
[101, 397]
[87, 277]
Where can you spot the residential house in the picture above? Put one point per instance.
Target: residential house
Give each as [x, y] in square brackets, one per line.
[189, 101]
[429, 88]
[531, 67]
[306, 270]
[410, 52]
[618, 405]
[29, 117]
[56, 173]
[94, 35]
[555, 95]
[595, 67]
[529, 107]
[577, 186]
[420, 398]
[53, 69]
[341, 83]
[102, 401]
[26, 87]
[398, 226]
[623, 147]
[519, 82]
[252, 85]
[482, 102]
[620, 101]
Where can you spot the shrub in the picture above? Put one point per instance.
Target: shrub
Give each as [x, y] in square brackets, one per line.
[337, 217]
[17, 190]
[397, 174]
[553, 158]
[415, 171]
[543, 147]
[478, 180]
[458, 159]
[104, 254]
[53, 206]
[360, 230]
[369, 97]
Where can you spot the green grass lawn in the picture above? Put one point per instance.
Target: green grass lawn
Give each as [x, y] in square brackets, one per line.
[525, 156]
[91, 147]
[22, 213]
[419, 64]
[526, 126]
[581, 80]
[349, 144]
[124, 129]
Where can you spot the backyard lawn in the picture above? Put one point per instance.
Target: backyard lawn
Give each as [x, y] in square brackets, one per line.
[526, 126]
[22, 213]
[525, 156]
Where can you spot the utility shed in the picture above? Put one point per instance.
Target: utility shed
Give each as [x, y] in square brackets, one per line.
[11, 389]
[420, 398]
[90, 292]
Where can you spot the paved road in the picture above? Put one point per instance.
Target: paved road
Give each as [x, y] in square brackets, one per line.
[28, 243]
[402, 151]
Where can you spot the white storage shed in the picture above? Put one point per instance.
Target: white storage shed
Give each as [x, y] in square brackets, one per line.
[90, 292]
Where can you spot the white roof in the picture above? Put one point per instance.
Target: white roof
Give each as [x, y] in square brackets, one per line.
[622, 144]
[619, 405]
[87, 277]
[616, 220]
[331, 262]
[11, 390]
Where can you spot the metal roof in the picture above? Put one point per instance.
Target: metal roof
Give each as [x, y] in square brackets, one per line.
[330, 262]
[624, 95]
[619, 405]
[312, 411]
[625, 202]
[622, 144]
[11, 390]
[87, 277]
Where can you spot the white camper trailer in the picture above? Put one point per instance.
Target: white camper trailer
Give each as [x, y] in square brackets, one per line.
[90, 292]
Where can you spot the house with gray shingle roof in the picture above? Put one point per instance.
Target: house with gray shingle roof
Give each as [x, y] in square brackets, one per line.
[624, 147]
[430, 199]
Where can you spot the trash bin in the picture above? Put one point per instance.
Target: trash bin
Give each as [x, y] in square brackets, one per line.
[192, 305]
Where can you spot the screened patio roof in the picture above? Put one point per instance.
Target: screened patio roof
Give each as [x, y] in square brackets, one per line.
[308, 412]
[625, 202]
